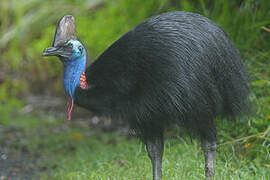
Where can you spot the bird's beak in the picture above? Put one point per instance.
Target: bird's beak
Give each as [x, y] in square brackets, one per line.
[65, 30]
[62, 51]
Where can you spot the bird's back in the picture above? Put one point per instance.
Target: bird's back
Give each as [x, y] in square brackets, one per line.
[177, 67]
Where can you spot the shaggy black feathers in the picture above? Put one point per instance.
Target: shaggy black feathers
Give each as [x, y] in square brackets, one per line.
[174, 68]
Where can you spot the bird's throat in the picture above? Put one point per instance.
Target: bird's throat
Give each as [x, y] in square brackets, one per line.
[74, 77]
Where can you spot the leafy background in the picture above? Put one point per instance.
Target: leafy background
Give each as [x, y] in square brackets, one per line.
[27, 27]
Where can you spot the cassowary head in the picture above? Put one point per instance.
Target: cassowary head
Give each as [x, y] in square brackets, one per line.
[72, 54]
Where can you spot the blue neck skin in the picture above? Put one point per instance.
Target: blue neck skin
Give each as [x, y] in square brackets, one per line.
[73, 68]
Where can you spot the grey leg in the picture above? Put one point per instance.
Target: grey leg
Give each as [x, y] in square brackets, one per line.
[209, 149]
[155, 151]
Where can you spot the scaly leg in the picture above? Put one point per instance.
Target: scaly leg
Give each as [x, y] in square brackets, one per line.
[155, 151]
[209, 149]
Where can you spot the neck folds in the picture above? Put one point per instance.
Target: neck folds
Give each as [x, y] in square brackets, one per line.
[83, 82]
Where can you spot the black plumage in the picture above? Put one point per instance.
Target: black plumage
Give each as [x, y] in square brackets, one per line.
[176, 68]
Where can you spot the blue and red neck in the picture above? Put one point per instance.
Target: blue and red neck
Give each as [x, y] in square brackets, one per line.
[73, 70]
[73, 56]
[73, 77]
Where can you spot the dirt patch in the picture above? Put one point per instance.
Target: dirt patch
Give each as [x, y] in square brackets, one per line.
[17, 162]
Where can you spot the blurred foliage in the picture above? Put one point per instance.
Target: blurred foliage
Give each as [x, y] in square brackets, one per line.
[27, 27]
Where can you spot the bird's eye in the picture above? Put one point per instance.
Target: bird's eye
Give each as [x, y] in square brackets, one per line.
[80, 49]
[69, 45]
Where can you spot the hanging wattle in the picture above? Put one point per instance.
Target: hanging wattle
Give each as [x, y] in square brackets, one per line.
[74, 76]
[83, 85]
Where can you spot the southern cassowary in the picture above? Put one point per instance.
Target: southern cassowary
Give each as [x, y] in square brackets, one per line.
[176, 68]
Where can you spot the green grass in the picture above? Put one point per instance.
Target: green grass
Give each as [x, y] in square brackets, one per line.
[73, 151]
[126, 160]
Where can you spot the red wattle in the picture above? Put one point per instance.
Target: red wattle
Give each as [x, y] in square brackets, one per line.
[70, 107]
[83, 85]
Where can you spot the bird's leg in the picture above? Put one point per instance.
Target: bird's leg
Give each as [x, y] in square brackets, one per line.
[155, 151]
[209, 149]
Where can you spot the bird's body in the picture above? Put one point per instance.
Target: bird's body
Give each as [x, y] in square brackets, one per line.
[177, 68]
[167, 71]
